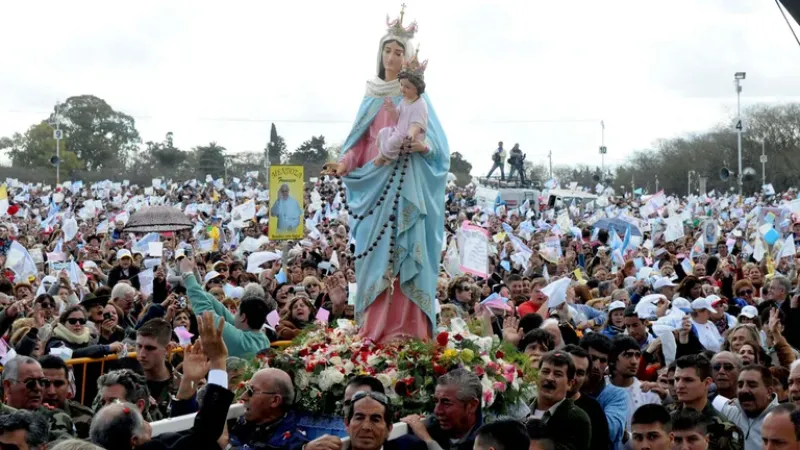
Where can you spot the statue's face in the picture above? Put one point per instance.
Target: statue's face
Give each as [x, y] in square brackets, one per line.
[392, 56]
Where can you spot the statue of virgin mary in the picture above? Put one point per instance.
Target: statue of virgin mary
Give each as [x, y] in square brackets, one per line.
[397, 210]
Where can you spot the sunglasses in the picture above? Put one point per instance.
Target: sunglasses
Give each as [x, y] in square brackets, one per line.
[74, 321]
[32, 383]
[464, 287]
[745, 292]
[250, 391]
[727, 366]
[377, 396]
[48, 305]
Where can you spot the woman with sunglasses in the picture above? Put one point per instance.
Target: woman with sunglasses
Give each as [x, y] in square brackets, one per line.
[71, 332]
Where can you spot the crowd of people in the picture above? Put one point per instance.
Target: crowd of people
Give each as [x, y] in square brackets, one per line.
[643, 336]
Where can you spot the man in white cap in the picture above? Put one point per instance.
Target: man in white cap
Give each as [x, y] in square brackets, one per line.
[616, 319]
[748, 314]
[706, 331]
[665, 287]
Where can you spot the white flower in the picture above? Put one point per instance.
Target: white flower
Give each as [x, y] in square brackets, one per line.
[301, 379]
[336, 361]
[349, 366]
[329, 378]
[385, 380]
[374, 360]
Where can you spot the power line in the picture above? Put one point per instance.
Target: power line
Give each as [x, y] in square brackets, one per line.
[783, 13]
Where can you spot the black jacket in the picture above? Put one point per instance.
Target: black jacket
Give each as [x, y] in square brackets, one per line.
[569, 427]
[116, 275]
[207, 428]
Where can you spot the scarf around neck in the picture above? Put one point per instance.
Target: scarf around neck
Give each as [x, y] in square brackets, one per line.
[60, 331]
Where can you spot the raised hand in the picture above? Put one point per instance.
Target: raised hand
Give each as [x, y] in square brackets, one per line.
[512, 333]
[195, 363]
[211, 338]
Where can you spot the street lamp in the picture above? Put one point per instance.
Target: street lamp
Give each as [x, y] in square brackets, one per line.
[737, 78]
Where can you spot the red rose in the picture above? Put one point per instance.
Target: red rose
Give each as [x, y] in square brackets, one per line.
[439, 370]
[309, 367]
[459, 337]
[442, 338]
[303, 352]
[479, 371]
[499, 355]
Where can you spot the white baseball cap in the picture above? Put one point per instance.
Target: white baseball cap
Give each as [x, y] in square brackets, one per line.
[701, 304]
[180, 253]
[749, 311]
[615, 305]
[123, 253]
[663, 282]
[210, 276]
[682, 304]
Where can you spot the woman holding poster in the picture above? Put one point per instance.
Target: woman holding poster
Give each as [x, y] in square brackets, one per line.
[397, 210]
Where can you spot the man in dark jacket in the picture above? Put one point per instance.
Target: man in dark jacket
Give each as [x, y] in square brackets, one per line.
[567, 425]
[593, 410]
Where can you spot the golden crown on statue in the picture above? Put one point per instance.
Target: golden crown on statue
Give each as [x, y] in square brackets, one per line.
[414, 67]
[396, 28]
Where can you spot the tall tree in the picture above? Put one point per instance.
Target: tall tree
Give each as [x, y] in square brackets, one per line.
[162, 158]
[276, 147]
[210, 159]
[461, 168]
[36, 146]
[100, 136]
[312, 154]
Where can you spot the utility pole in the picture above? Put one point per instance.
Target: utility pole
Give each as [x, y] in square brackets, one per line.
[738, 77]
[550, 156]
[57, 134]
[603, 149]
[763, 162]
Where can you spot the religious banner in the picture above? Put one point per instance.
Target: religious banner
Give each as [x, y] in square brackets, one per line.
[474, 250]
[286, 210]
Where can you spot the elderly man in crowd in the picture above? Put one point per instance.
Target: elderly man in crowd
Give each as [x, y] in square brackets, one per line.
[24, 430]
[124, 385]
[725, 368]
[456, 417]
[24, 386]
[269, 420]
[756, 398]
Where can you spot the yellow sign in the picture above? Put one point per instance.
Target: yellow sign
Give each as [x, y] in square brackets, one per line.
[286, 219]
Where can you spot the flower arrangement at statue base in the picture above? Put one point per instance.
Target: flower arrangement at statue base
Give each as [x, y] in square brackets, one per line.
[321, 361]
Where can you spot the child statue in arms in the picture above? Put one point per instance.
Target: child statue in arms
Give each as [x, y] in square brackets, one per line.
[410, 116]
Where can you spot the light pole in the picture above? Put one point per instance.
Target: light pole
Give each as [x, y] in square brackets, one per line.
[763, 160]
[689, 188]
[656, 184]
[603, 149]
[737, 78]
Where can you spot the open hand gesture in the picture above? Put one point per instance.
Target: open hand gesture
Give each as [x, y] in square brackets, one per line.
[211, 337]
[512, 333]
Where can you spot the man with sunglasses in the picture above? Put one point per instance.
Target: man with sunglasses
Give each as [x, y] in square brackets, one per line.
[270, 420]
[24, 384]
[725, 368]
[58, 395]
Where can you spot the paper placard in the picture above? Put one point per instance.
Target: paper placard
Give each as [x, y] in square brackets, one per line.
[273, 318]
[474, 250]
[323, 315]
[155, 249]
[352, 289]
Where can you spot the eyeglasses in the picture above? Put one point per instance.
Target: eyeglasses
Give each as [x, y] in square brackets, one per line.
[32, 383]
[377, 396]
[744, 292]
[48, 305]
[75, 321]
[464, 287]
[727, 366]
[248, 389]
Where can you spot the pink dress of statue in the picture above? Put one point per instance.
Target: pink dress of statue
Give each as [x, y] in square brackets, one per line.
[388, 318]
[390, 139]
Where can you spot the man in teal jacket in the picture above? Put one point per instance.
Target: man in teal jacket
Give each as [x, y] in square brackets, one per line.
[242, 333]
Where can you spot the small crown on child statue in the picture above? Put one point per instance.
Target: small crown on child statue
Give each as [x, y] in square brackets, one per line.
[396, 28]
[414, 67]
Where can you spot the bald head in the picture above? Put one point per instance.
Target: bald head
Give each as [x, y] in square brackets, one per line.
[120, 426]
[270, 396]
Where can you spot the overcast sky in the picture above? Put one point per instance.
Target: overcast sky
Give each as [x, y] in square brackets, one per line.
[541, 73]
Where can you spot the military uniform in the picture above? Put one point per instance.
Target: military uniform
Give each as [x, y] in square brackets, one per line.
[722, 433]
[166, 390]
[81, 416]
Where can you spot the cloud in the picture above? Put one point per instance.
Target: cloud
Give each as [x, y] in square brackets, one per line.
[539, 73]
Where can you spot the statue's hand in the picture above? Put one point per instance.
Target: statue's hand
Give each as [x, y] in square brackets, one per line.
[334, 168]
[415, 146]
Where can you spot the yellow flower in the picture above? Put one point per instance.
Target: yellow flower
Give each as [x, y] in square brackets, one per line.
[450, 353]
[467, 355]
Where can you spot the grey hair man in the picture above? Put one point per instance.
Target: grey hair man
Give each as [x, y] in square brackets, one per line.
[75, 444]
[24, 430]
[123, 385]
[725, 368]
[456, 416]
[119, 426]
